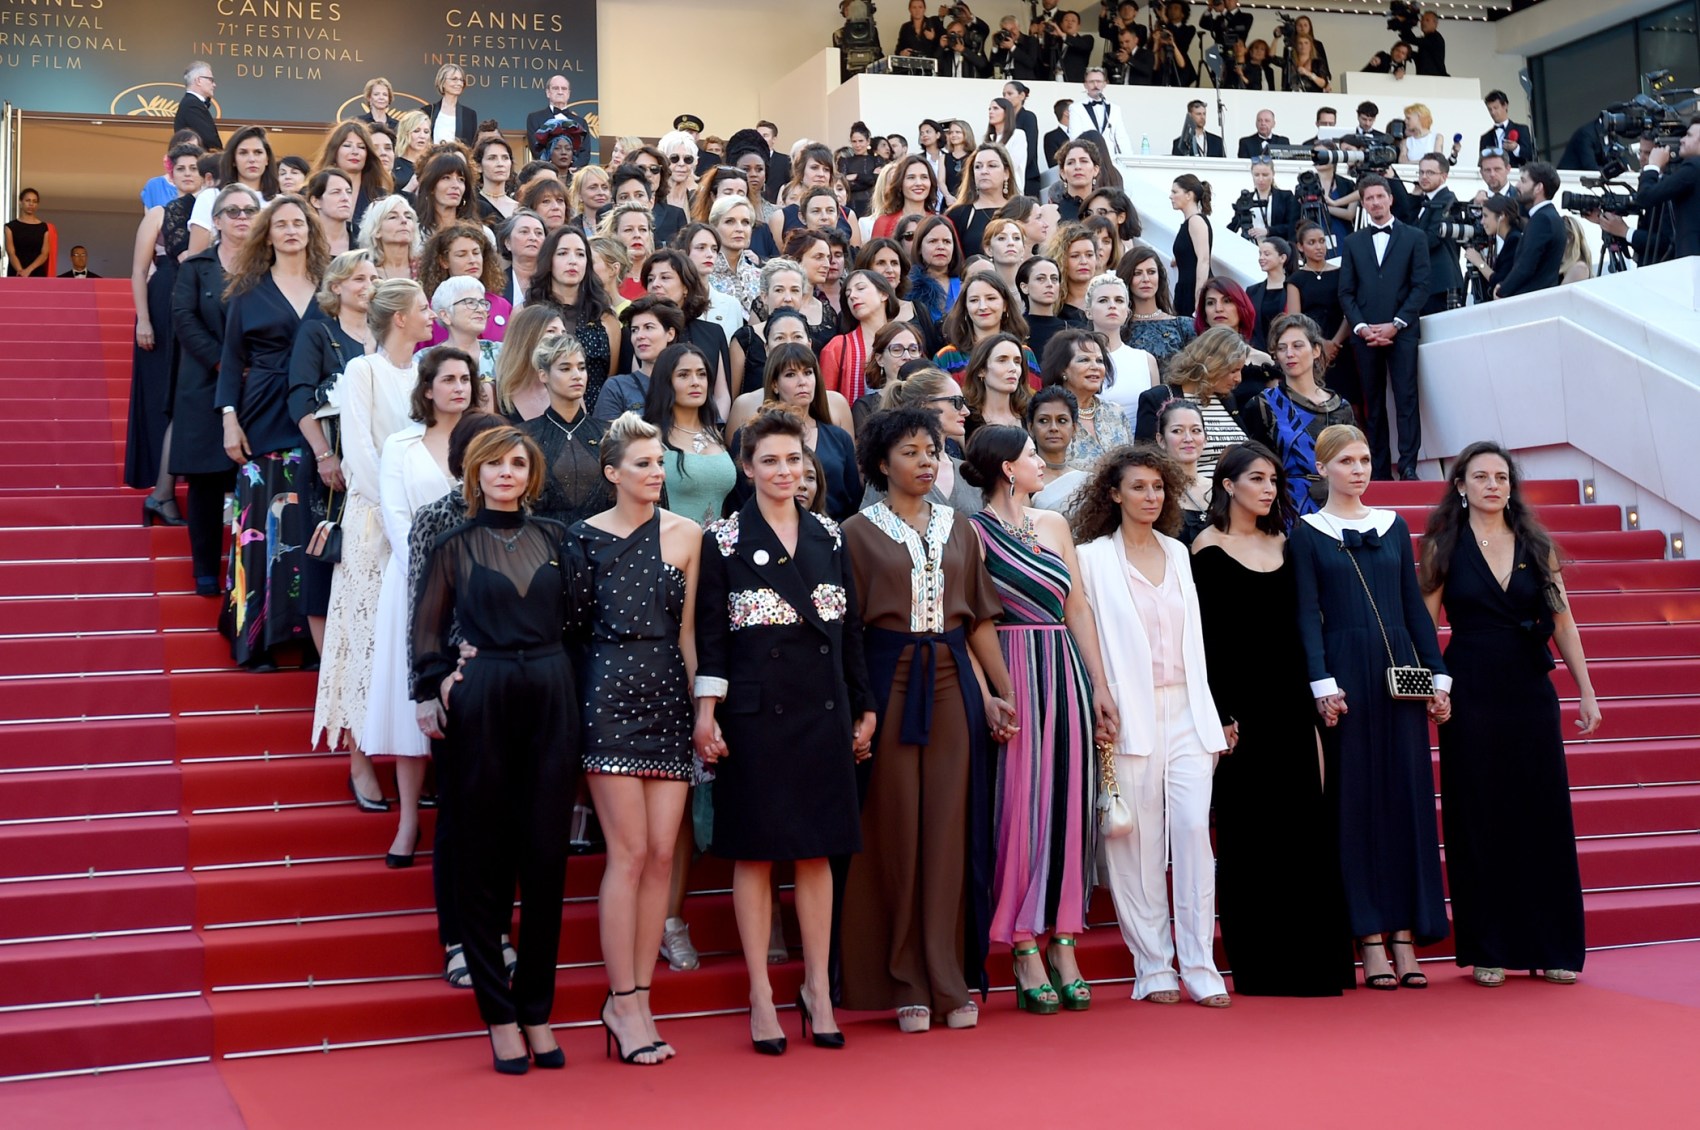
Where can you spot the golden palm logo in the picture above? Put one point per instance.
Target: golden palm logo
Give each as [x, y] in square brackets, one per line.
[152, 100]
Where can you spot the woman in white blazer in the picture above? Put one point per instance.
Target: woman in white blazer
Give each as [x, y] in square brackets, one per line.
[1138, 582]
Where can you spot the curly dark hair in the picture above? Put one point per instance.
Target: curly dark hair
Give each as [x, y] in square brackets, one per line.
[1448, 521]
[433, 258]
[419, 404]
[1097, 514]
[883, 431]
[1236, 460]
[696, 291]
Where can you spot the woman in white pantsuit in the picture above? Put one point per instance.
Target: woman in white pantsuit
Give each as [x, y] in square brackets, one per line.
[1138, 582]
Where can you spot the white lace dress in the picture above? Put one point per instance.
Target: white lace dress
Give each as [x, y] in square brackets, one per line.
[410, 478]
[375, 397]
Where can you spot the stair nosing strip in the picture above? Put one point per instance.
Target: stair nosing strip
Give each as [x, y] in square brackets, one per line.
[44, 1006]
[98, 935]
[95, 874]
[89, 818]
[71, 721]
[89, 766]
[78, 1072]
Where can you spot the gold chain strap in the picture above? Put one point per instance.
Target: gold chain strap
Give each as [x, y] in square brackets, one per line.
[1385, 642]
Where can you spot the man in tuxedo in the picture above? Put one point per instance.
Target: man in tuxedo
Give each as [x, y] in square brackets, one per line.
[1259, 142]
[1326, 118]
[543, 126]
[1070, 52]
[1095, 112]
[1429, 47]
[1129, 62]
[958, 57]
[1429, 214]
[1384, 283]
[1014, 55]
[194, 109]
[1507, 136]
[1676, 185]
[1057, 138]
[778, 164]
[1195, 140]
[79, 265]
[1540, 256]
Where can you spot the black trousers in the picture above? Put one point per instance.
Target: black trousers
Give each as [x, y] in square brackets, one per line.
[442, 853]
[1379, 366]
[205, 516]
[511, 767]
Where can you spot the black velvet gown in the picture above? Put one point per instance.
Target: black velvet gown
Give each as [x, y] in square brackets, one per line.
[1277, 860]
[1505, 795]
[1379, 770]
[1187, 266]
[514, 587]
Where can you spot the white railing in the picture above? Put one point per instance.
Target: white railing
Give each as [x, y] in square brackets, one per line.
[8, 172]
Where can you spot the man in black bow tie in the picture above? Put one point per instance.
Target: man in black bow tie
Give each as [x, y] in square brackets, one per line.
[1384, 282]
[544, 127]
[1095, 112]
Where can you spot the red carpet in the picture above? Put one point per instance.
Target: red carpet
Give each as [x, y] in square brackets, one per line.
[1604, 1053]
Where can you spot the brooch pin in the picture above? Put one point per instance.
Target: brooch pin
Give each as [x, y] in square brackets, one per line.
[759, 557]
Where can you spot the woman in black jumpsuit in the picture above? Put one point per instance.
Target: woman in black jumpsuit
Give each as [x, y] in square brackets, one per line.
[511, 756]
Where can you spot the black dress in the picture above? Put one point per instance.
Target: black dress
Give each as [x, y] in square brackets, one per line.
[513, 587]
[197, 439]
[1282, 912]
[1319, 300]
[576, 487]
[153, 372]
[27, 241]
[1505, 796]
[1187, 266]
[1378, 770]
[1269, 304]
[637, 705]
[783, 630]
[970, 223]
[323, 350]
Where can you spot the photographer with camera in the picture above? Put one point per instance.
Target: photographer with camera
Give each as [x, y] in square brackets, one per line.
[1493, 252]
[1649, 241]
[1228, 22]
[1171, 67]
[1428, 45]
[1264, 210]
[1540, 259]
[1112, 18]
[1068, 53]
[959, 51]
[920, 36]
[1447, 223]
[1677, 184]
[1130, 62]
[1394, 61]
[1014, 55]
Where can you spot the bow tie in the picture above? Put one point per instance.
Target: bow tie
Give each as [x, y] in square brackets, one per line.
[1360, 539]
[1388, 230]
[1097, 101]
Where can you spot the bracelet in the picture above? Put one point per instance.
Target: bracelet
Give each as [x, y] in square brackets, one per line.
[323, 457]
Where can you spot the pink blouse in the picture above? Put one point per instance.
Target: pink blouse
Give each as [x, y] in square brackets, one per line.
[1162, 611]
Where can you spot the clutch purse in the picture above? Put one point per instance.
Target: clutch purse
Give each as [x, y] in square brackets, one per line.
[326, 543]
[1115, 818]
[1410, 684]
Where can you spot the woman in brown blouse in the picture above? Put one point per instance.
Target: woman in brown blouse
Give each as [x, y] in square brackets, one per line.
[930, 612]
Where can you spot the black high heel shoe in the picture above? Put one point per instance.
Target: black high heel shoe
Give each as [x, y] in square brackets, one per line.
[767, 1047]
[155, 510]
[552, 1060]
[609, 1040]
[396, 861]
[363, 803]
[1416, 978]
[820, 1039]
[519, 1065]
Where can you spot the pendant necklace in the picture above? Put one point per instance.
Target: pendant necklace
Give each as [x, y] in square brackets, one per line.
[572, 431]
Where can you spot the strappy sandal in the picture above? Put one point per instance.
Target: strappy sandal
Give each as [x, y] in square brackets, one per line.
[1164, 996]
[1041, 999]
[1488, 976]
[455, 971]
[1077, 994]
[1558, 976]
[610, 1040]
[914, 1018]
[1217, 1000]
[1383, 982]
[1416, 978]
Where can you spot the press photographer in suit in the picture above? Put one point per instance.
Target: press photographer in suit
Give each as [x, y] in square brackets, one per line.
[1430, 209]
[1228, 22]
[1429, 47]
[1540, 260]
[1676, 184]
[1015, 56]
[1066, 49]
[1384, 273]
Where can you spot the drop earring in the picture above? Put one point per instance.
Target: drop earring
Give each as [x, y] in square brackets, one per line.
[1463, 500]
[1012, 486]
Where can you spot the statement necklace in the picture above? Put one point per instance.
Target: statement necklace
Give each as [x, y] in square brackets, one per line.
[699, 440]
[1022, 531]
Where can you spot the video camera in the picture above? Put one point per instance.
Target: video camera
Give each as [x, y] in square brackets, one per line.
[1308, 188]
[1402, 15]
[1285, 23]
[1243, 207]
[1641, 116]
[1463, 224]
[1371, 158]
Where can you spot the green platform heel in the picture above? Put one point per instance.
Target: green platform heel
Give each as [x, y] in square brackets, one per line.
[1041, 999]
[1077, 994]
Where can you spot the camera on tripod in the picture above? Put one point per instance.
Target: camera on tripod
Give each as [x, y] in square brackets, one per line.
[1402, 15]
[1243, 208]
[1463, 224]
[1369, 159]
[1285, 26]
[1602, 199]
[1308, 189]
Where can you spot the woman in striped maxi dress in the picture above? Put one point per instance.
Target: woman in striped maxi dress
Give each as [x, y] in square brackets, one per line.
[1046, 792]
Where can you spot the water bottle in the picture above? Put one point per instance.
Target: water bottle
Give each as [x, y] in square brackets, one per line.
[1145, 145]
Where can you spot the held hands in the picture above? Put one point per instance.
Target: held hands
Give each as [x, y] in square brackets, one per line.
[705, 735]
[862, 741]
[1108, 721]
[235, 440]
[1000, 716]
[1588, 715]
[1440, 707]
[1331, 707]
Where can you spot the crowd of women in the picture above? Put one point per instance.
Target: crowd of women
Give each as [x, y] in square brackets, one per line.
[950, 572]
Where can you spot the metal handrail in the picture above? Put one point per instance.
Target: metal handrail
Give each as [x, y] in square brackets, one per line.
[8, 173]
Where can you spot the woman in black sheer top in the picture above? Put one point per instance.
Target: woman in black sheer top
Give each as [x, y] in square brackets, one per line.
[505, 579]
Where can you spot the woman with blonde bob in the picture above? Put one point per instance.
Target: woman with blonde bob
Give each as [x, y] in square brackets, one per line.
[1206, 371]
[1138, 582]
[390, 229]
[512, 734]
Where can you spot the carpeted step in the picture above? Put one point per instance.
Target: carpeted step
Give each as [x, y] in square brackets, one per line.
[1639, 861]
[73, 508]
[92, 742]
[330, 832]
[59, 476]
[1655, 808]
[66, 794]
[197, 651]
[69, 543]
[1558, 517]
[70, 697]
[84, 969]
[318, 779]
[108, 1035]
[232, 690]
[36, 453]
[1641, 641]
[96, 578]
[35, 616]
[1634, 608]
[130, 653]
[1626, 918]
[1631, 678]
[246, 735]
[1427, 492]
[1644, 718]
[58, 908]
[1631, 576]
[1586, 545]
[1591, 764]
[61, 850]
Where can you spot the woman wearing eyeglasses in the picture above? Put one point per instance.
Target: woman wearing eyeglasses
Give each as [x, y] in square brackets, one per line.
[896, 345]
[679, 180]
[463, 309]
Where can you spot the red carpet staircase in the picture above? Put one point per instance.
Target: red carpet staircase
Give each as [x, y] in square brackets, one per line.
[180, 877]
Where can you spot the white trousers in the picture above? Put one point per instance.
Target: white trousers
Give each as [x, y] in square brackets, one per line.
[1169, 793]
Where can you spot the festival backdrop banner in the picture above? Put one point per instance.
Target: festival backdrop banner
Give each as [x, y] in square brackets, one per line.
[293, 60]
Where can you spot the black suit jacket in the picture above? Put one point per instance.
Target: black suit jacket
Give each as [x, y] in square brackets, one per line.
[1396, 288]
[1283, 215]
[1073, 54]
[908, 39]
[778, 175]
[1427, 51]
[1025, 60]
[1253, 146]
[1525, 143]
[534, 122]
[1212, 146]
[73, 274]
[1539, 258]
[1444, 271]
[974, 64]
[1027, 130]
[194, 112]
[1054, 141]
[466, 120]
[1676, 186]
